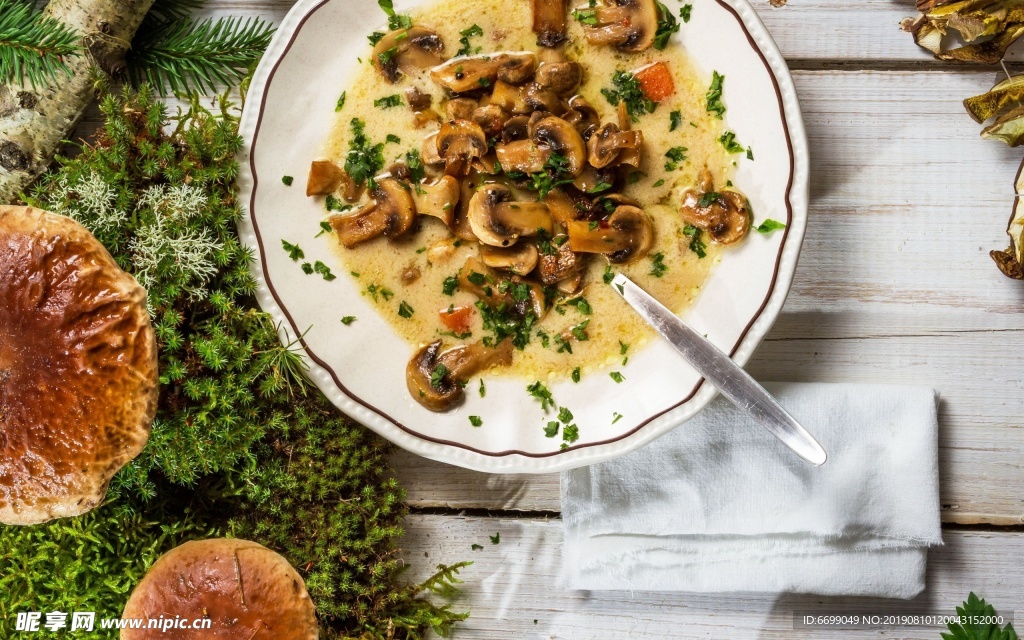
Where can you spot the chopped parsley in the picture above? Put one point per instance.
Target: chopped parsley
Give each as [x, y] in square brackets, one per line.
[347, 320]
[476, 421]
[323, 270]
[728, 141]
[467, 47]
[616, 417]
[659, 183]
[600, 186]
[364, 160]
[581, 305]
[503, 322]
[609, 275]
[623, 348]
[484, 82]
[377, 292]
[658, 266]
[375, 37]
[564, 346]
[294, 252]
[341, 101]
[388, 102]
[685, 12]
[708, 198]
[571, 433]
[551, 429]
[496, 538]
[667, 26]
[675, 155]
[564, 415]
[393, 139]
[769, 225]
[437, 375]
[585, 16]
[616, 376]
[696, 243]
[555, 174]
[626, 88]
[405, 310]
[307, 268]
[676, 118]
[576, 375]
[714, 96]
[476, 547]
[750, 153]
[287, 180]
[335, 204]
[451, 283]
[395, 20]
[540, 392]
[580, 331]
[483, 389]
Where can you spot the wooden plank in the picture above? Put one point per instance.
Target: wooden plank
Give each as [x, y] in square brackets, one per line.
[812, 30]
[512, 590]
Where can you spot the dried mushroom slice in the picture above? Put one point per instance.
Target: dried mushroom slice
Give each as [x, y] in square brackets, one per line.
[78, 367]
[247, 591]
[988, 27]
[1011, 261]
[1008, 93]
[1008, 127]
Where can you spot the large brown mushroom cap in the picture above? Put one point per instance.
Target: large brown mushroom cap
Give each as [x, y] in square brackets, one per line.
[78, 367]
[247, 591]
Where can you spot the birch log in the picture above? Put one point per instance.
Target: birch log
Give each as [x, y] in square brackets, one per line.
[35, 120]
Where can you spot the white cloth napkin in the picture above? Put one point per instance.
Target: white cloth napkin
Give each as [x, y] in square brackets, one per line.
[718, 505]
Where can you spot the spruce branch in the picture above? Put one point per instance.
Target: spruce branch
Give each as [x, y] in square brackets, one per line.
[186, 55]
[32, 46]
[173, 9]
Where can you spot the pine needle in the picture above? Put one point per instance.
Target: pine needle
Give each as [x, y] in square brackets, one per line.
[188, 55]
[174, 9]
[32, 46]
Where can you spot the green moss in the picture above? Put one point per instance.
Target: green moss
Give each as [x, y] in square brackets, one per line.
[241, 445]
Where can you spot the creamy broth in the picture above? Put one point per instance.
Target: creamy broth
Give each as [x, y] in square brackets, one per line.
[506, 26]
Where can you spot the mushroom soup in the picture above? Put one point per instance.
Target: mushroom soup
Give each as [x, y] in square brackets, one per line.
[483, 201]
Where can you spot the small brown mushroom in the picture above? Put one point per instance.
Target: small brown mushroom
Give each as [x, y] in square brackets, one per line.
[418, 100]
[563, 139]
[625, 237]
[608, 145]
[723, 214]
[630, 25]
[460, 142]
[391, 214]
[407, 51]
[563, 264]
[429, 154]
[522, 155]
[473, 73]
[438, 199]
[78, 368]
[516, 128]
[491, 118]
[326, 177]
[435, 379]
[461, 108]
[245, 590]
[411, 274]
[562, 78]
[537, 98]
[549, 22]
[498, 221]
[519, 259]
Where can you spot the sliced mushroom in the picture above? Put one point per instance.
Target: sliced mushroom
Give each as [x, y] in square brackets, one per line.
[583, 116]
[510, 98]
[571, 285]
[407, 51]
[462, 229]
[435, 379]
[630, 25]
[537, 98]
[491, 118]
[461, 108]
[625, 237]
[563, 210]
[594, 181]
[562, 138]
[522, 155]
[418, 101]
[429, 155]
[326, 177]
[473, 73]
[460, 142]
[563, 264]
[723, 214]
[608, 144]
[438, 199]
[549, 22]
[562, 78]
[391, 214]
[519, 259]
[499, 222]
[477, 278]
[521, 298]
[487, 165]
[516, 128]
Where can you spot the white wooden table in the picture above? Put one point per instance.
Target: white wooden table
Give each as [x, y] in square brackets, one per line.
[894, 285]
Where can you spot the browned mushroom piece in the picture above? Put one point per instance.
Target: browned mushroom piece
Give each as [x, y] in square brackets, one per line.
[724, 215]
[523, 156]
[78, 367]
[407, 51]
[462, 230]
[498, 221]
[537, 98]
[418, 100]
[563, 139]
[473, 73]
[595, 181]
[550, 22]
[561, 207]
[510, 98]
[516, 128]
[583, 116]
[561, 265]
[435, 379]
[438, 199]
[429, 154]
[562, 78]
[625, 237]
[491, 118]
[518, 297]
[459, 143]
[519, 259]
[487, 165]
[630, 25]
[326, 177]
[571, 285]
[391, 214]
[245, 590]
[608, 145]
[460, 108]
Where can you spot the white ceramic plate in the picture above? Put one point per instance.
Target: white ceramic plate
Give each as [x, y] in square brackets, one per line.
[361, 368]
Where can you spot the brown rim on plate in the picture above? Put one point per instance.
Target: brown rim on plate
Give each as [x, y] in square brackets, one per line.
[500, 454]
